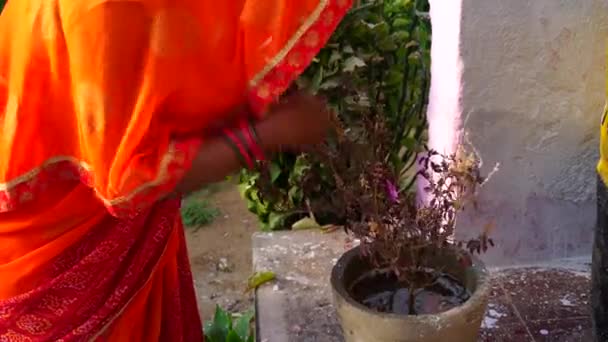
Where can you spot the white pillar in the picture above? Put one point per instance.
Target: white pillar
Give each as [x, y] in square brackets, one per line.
[445, 109]
[444, 113]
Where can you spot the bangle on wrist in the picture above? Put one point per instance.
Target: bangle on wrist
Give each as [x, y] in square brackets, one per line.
[245, 143]
[239, 148]
[252, 140]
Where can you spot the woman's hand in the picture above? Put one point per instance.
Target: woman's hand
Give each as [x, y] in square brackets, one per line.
[298, 120]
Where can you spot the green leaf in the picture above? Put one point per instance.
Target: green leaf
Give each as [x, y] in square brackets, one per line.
[323, 57]
[411, 44]
[395, 77]
[260, 278]
[254, 195]
[276, 220]
[306, 223]
[351, 63]
[242, 325]
[387, 44]
[361, 32]
[275, 172]
[208, 329]
[264, 226]
[401, 37]
[217, 330]
[330, 83]
[233, 337]
[317, 79]
[414, 56]
[381, 30]
[335, 56]
[295, 195]
[222, 318]
[401, 23]
[421, 34]
[261, 208]
[300, 167]
[243, 188]
[426, 58]
[252, 207]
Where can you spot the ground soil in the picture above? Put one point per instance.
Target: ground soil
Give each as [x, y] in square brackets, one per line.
[220, 253]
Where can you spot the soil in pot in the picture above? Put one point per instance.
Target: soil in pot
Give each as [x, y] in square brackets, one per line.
[381, 291]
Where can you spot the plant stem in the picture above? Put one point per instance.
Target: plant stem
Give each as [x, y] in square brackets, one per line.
[361, 8]
[412, 301]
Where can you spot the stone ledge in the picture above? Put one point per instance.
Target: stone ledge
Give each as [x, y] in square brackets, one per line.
[297, 307]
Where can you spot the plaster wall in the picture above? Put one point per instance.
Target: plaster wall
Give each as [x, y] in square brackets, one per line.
[524, 80]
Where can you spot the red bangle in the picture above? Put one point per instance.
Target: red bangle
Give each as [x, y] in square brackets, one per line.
[240, 149]
[252, 140]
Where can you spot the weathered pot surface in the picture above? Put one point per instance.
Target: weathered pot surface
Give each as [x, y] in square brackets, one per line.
[460, 324]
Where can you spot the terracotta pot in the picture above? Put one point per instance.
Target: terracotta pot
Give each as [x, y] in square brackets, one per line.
[460, 324]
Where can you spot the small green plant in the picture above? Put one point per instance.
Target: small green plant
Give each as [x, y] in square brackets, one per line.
[283, 193]
[226, 327]
[197, 212]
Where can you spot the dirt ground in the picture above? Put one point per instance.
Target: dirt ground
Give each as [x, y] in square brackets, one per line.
[220, 254]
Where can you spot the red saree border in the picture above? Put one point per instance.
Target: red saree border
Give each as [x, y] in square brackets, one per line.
[297, 55]
[174, 164]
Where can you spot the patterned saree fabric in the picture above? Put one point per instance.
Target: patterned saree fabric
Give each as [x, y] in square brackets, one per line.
[103, 105]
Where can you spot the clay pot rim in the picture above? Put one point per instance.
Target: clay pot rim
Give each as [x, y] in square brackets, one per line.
[477, 299]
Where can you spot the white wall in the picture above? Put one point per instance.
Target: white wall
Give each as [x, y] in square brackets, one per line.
[530, 79]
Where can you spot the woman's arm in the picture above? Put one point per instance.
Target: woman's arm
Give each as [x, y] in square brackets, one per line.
[216, 159]
[301, 119]
[213, 162]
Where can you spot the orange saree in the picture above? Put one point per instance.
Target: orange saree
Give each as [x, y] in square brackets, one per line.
[102, 108]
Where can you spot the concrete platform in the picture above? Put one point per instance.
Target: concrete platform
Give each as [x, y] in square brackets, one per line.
[548, 302]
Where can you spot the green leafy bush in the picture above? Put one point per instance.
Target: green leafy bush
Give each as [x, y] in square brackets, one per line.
[226, 328]
[377, 61]
[275, 209]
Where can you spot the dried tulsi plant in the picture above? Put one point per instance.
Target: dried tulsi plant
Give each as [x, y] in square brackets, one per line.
[395, 231]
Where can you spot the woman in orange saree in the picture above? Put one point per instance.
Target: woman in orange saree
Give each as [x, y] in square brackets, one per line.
[106, 114]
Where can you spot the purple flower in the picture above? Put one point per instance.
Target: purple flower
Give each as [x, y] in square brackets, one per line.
[391, 191]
